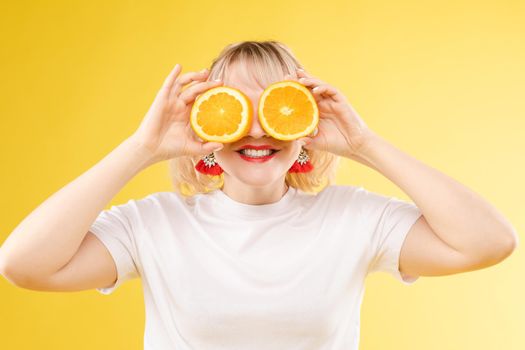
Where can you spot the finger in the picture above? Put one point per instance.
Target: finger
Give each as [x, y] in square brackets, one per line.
[329, 91]
[304, 141]
[201, 148]
[324, 90]
[170, 79]
[205, 75]
[311, 82]
[209, 147]
[187, 86]
[184, 82]
[301, 73]
[189, 95]
[188, 78]
[313, 85]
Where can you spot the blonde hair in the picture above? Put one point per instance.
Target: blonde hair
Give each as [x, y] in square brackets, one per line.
[271, 60]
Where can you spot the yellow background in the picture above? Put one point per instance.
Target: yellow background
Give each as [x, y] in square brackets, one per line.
[442, 80]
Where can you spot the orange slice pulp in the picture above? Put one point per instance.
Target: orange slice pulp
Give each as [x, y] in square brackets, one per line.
[288, 110]
[221, 114]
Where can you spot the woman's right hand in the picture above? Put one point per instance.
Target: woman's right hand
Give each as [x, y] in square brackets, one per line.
[165, 130]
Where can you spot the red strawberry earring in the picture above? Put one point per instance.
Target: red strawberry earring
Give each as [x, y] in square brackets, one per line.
[208, 164]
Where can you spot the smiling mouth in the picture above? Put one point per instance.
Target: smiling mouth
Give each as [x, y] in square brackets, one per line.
[257, 154]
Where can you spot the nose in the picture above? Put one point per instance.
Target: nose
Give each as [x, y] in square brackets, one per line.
[256, 130]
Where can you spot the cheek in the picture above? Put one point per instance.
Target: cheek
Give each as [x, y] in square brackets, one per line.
[224, 155]
[289, 155]
[227, 157]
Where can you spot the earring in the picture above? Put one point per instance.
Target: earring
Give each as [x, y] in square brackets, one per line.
[302, 164]
[208, 165]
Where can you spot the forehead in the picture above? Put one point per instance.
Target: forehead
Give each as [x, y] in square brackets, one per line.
[242, 76]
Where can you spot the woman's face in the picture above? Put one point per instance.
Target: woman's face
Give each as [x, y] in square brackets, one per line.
[229, 158]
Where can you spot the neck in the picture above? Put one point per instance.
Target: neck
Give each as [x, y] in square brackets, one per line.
[253, 194]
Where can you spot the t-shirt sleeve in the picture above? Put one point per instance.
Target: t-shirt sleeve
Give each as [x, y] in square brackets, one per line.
[116, 229]
[390, 220]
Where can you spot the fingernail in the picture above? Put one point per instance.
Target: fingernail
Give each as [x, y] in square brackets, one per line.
[218, 79]
[204, 70]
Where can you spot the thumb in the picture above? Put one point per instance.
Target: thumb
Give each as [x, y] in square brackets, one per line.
[212, 147]
[305, 141]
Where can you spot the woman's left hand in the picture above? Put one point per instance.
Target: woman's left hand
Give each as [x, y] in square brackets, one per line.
[340, 130]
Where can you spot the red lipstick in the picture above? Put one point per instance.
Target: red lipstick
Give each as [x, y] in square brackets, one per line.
[258, 159]
[261, 147]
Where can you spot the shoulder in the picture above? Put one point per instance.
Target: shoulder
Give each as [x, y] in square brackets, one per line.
[355, 198]
[154, 202]
[341, 193]
[335, 199]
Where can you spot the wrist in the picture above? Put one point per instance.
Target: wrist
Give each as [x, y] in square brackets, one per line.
[139, 153]
[368, 146]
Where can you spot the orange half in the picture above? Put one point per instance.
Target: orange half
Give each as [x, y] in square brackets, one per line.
[288, 110]
[221, 114]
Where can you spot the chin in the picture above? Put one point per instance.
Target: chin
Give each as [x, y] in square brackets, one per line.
[257, 178]
[255, 173]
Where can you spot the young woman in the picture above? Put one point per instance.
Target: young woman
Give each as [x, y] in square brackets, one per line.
[257, 257]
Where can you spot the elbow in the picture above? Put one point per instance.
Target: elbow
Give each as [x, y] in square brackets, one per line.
[14, 279]
[493, 252]
[10, 274]
[512, 242]
[509, 243]
[3, 265]
[8, 270]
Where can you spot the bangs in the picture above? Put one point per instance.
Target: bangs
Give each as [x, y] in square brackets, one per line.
[264, 64]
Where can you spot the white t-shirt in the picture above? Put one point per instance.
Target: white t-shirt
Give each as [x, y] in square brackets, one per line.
[220, 274]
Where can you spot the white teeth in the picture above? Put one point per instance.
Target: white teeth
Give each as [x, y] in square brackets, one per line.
[256, 153]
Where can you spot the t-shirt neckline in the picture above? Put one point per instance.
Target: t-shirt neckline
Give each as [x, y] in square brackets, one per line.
[242, 209]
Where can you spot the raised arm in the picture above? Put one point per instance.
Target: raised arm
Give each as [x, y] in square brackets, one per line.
[50, 235]
[48, 239]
